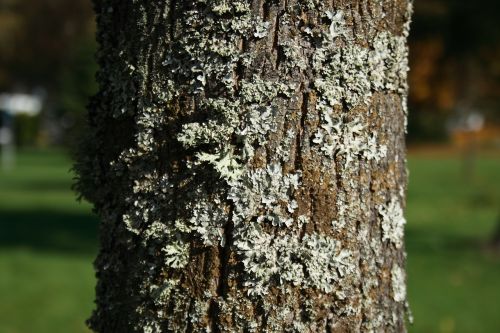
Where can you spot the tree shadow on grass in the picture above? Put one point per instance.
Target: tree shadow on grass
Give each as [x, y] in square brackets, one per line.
[52, 231]
[42, 185]
[430, 241]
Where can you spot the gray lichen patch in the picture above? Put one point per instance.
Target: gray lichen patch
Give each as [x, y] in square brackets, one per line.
[393, 222]
[398, 279]
[349, 74]
[176, 254]
[348, 139]
[264, 193]
[314, 262]
[207, 220]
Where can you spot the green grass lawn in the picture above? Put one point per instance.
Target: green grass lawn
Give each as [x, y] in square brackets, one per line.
[453, 280]
[48, 242]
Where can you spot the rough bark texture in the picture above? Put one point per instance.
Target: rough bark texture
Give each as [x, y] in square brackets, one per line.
[247, 161]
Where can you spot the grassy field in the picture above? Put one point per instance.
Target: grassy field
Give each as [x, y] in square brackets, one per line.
[48, 242]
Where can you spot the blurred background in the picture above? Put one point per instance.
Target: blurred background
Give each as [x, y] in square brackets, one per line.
[48, 240]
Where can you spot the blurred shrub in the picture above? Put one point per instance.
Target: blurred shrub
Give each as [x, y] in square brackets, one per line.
[26, 130]
[76, 85]
[426, 126]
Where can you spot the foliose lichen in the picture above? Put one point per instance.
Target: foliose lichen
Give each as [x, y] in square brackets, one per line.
[393, 222]
[398, 278]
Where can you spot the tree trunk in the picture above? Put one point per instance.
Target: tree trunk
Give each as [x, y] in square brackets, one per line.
[247, 162]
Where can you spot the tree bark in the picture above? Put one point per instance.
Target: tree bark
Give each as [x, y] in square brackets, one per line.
[247, 162]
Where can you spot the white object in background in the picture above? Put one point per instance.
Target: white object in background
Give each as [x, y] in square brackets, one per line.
[7, 142]
[474, 122]
[5, 135]
[8, 155]
[14, 104]
[21, 103]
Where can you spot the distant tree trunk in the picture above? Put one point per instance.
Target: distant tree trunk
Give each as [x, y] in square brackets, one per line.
[247, 162]
[495, 242]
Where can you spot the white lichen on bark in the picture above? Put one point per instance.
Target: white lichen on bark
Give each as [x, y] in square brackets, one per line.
[398, 278]
[393, 222]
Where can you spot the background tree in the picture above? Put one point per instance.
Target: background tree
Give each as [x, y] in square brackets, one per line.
[247, 161]
[47, 46]
[454, 68]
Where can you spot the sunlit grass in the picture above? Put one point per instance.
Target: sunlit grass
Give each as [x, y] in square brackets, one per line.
[47, 244]
[454, 280]
[44, 292]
